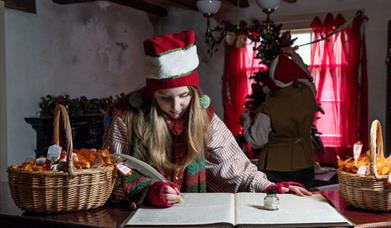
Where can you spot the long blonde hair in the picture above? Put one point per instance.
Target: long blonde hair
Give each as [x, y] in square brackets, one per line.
[152, 139]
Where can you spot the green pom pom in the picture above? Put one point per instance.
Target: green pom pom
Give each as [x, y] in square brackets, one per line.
[204, 101]
[136, 100]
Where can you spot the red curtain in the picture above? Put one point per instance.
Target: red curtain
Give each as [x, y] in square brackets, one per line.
[239, 65]
[338, 65]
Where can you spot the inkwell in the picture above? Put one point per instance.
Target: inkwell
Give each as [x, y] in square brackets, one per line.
[271, 201]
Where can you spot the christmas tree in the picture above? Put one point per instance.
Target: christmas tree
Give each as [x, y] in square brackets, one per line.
[268, 35]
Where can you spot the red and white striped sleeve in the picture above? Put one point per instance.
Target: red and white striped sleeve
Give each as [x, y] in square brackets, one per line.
[228, 169]
[116, 137]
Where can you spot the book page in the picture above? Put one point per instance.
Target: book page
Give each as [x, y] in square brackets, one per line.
[293, 211]
[197, 209]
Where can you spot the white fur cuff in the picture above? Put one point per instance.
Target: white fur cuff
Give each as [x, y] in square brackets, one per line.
[171, 64]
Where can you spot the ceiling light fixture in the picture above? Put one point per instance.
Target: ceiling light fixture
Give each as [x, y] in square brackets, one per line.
[214, 35]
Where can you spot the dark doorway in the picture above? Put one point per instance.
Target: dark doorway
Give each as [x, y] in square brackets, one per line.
[388, 108]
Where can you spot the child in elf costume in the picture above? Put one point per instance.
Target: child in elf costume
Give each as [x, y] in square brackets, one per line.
[282, 124]
[170, 125]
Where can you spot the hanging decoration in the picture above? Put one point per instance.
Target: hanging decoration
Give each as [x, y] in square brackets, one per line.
[232, 34]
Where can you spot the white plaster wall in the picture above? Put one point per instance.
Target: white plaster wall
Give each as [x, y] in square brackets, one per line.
[301, 12]
[92, 49]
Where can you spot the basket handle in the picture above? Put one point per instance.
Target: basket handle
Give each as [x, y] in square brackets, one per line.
[375, 147]
[59, 111]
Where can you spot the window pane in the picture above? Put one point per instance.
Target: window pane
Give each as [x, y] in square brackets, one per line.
[330, 97]
[303, 37]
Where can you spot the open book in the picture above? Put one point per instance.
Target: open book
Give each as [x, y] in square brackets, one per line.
[240, 210]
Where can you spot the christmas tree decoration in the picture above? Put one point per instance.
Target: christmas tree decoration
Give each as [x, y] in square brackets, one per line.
[233, 34]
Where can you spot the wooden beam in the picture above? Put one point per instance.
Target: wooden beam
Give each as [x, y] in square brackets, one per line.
[191, 4]
[22, 5]
[71, 1]
[136, 4]
[144, 6]
[242, 3]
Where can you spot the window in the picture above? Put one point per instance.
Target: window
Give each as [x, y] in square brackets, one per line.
[330, 97]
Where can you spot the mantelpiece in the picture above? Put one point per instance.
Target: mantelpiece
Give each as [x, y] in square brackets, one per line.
[87, 132]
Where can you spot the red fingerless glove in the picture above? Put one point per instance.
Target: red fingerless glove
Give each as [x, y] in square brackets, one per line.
[278, 186]
[155, 196]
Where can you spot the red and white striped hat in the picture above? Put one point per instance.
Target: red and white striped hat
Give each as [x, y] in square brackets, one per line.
[171, 61]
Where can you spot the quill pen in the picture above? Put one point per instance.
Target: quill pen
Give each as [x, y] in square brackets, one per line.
[139, 165]
[142, 167]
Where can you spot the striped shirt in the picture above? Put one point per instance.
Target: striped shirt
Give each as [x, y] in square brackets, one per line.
[227, 167]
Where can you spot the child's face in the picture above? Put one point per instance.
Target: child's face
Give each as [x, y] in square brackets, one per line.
[174, 101]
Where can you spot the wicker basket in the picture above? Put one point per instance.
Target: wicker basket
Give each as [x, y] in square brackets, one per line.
[118, 193]
[51, 191]
[370, 192]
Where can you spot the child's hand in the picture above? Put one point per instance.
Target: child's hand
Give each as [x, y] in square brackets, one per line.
[172, 194]
[300, 191]
[163, 194]
[245, 117]
[289, 186]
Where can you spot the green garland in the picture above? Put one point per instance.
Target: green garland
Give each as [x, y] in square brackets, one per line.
[79, 106]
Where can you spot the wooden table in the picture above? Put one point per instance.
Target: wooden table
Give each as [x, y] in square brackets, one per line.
[360, 217]
[109, 215]
[112, 215]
